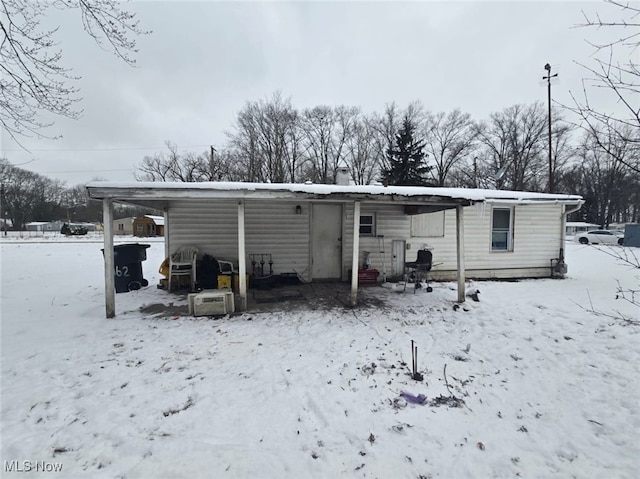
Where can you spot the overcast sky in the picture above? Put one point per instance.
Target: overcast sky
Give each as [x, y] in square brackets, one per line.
[205, 59]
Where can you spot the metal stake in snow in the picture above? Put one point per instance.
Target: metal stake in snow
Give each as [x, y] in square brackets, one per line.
[414, 358]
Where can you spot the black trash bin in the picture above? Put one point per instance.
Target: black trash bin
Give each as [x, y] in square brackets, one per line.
[128, 260]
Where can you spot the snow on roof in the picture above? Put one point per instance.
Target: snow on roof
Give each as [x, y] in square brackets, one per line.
[158, 220]
[154, 190]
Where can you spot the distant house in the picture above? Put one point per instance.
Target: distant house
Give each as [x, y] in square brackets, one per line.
[123, 226]
[148, 225]
[575, 227]
[35, 226]
[44, 226]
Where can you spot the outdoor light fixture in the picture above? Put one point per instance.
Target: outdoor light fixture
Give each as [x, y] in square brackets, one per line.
[298, 209]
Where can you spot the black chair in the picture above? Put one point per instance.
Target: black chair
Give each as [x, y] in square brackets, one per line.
[418, 270]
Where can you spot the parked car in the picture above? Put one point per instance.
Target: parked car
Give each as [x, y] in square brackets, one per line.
[600, 237]
[73, 230]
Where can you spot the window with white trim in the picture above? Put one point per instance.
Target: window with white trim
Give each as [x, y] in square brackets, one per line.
[368, 225]
[502, 229]
[428, 224]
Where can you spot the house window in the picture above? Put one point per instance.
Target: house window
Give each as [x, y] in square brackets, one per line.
[502, 229]
[368, 225]
[120, 227]
[140, 228]
[428, 224]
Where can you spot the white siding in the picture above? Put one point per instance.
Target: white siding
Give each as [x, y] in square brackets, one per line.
[125, 229]
[428, 224]
[274, 227]
[536, 241]
[391, 222]
[271, 228]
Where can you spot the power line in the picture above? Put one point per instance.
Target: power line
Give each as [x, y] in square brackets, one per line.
[83, 171]
[106, 149]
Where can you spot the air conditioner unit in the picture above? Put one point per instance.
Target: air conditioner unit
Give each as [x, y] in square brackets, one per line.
[211, 303]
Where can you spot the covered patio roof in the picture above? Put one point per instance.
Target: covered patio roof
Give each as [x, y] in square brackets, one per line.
[415, 199]
[158, 194]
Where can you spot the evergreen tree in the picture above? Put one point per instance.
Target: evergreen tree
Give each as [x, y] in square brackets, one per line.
[407, 160]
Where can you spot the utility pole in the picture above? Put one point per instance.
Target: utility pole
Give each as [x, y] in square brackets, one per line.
[3, 210]
[475, 171]
[211, 169]
[548, 78]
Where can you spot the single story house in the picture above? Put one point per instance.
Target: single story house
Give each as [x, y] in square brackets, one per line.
[575, 227]
[148, 225]
[321, 232]
[44, 226]
[123, 226]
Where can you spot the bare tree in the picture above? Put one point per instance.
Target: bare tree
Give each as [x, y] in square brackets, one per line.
[245, 142]
[603, 181]
[562, 149]
[449, 139]
[360, 154]
[514, 143]
[80, 206]
[226, 167]
[165, 166]
[615, 72]
[28, 196]
[33, 77]
[325, 133]
[318, 125]
[386, 126]
[266, 138]
[416, 113]
[187, 167]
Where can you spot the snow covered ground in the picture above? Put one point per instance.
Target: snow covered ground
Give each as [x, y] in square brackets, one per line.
[545, 389]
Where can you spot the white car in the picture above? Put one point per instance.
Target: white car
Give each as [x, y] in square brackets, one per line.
[600, 237]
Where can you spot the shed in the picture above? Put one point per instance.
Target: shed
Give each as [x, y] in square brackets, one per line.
[148, 225]
[632, 235]
[320, 232]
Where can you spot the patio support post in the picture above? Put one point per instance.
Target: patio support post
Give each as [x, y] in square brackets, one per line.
[242, 258]
[109, 266]
[167, 246]
[460, 251]
[355, 253]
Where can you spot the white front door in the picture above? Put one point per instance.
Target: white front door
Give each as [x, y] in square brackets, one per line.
[326, 241]
[397, 258]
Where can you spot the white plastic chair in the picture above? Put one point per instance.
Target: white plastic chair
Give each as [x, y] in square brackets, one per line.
[183, 263]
